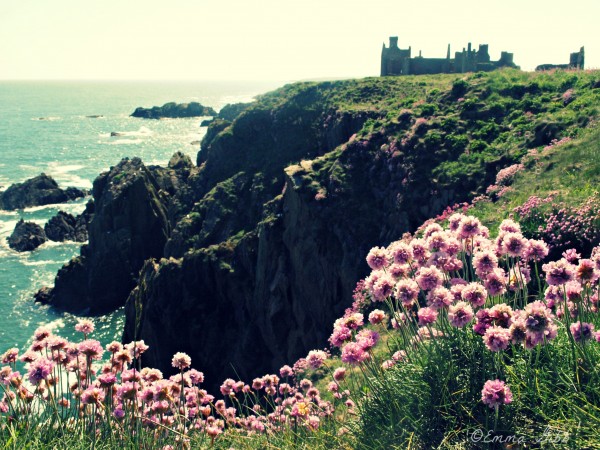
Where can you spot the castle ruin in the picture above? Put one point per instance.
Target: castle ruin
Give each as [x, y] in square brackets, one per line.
[576, 61]
[397, 61]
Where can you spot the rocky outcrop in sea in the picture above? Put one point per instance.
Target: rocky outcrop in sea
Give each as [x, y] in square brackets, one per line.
[26, 236]
[37, 191]
[174, 110]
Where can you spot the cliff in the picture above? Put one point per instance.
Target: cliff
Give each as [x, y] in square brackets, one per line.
[248, 257]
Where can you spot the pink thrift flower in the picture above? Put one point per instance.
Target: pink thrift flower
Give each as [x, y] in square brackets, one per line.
[537, 250]
[353, 353]
[286, 371]
[383, 287]
[92, 396]
[510, 226]
[407, 291]
[571, 255]
[427, 316]
[398, 356]
[90, 348]
[10, 356]
[439, 298]
[474, 293]
[495, 282]
[582, 331]
[388, 364]
[419, 250]
[558, 272]
[376, 316]
[39, 370]
[339, 374]
[484, 262]
[367, 339]
[460, 314]
[85, 326]
[454, 221]
[316, 358]
[377, 258]
[401, 253]
[429, 278]
[496, 393]
[496, 338]
[181, 361]
[340, 335]
[469, 227]
[514, 244]
[586, 272]
[136, 348]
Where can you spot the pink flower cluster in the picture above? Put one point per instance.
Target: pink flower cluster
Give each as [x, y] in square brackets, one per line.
[105, 385]
[458, 277]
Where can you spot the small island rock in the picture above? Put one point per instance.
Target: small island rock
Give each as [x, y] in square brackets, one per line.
[26, 236]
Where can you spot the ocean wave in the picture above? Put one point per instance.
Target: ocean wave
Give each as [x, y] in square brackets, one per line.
[26, 262]
[58, 167]
[73, 208]
[142, 131]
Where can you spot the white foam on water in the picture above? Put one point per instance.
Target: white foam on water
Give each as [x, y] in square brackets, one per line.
[26, 262]
[7, 227]
[126, 142]
[142, 131]
[58, 167]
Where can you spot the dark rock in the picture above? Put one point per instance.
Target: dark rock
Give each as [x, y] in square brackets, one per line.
[596, 84]
[116, 134]
[180, 161]
[43, 295]
[26, 236]
[129, 225]
[37, 191]
[174, 110]
[206, 122]
[65, 227]
[231, 111]
[95, 116]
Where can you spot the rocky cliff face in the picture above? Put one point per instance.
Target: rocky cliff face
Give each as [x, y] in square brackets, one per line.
[129, 226]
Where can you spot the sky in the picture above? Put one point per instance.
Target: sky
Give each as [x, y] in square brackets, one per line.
[276, 40]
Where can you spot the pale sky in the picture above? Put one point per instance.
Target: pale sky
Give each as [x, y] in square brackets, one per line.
[276, 39]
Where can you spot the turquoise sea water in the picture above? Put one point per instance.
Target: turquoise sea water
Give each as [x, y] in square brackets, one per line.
[46, 127]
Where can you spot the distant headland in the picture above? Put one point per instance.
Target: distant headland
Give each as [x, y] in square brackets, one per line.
[397, 61]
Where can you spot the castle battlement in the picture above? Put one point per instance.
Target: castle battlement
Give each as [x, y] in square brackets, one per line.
[397, 61]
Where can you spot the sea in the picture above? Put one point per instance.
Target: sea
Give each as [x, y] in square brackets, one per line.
[63, 129]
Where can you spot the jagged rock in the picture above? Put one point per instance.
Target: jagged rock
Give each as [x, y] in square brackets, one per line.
[129, 225]
[37, 191]
[206, 122]
[65, 227]
[26, 236]
[174, 110]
